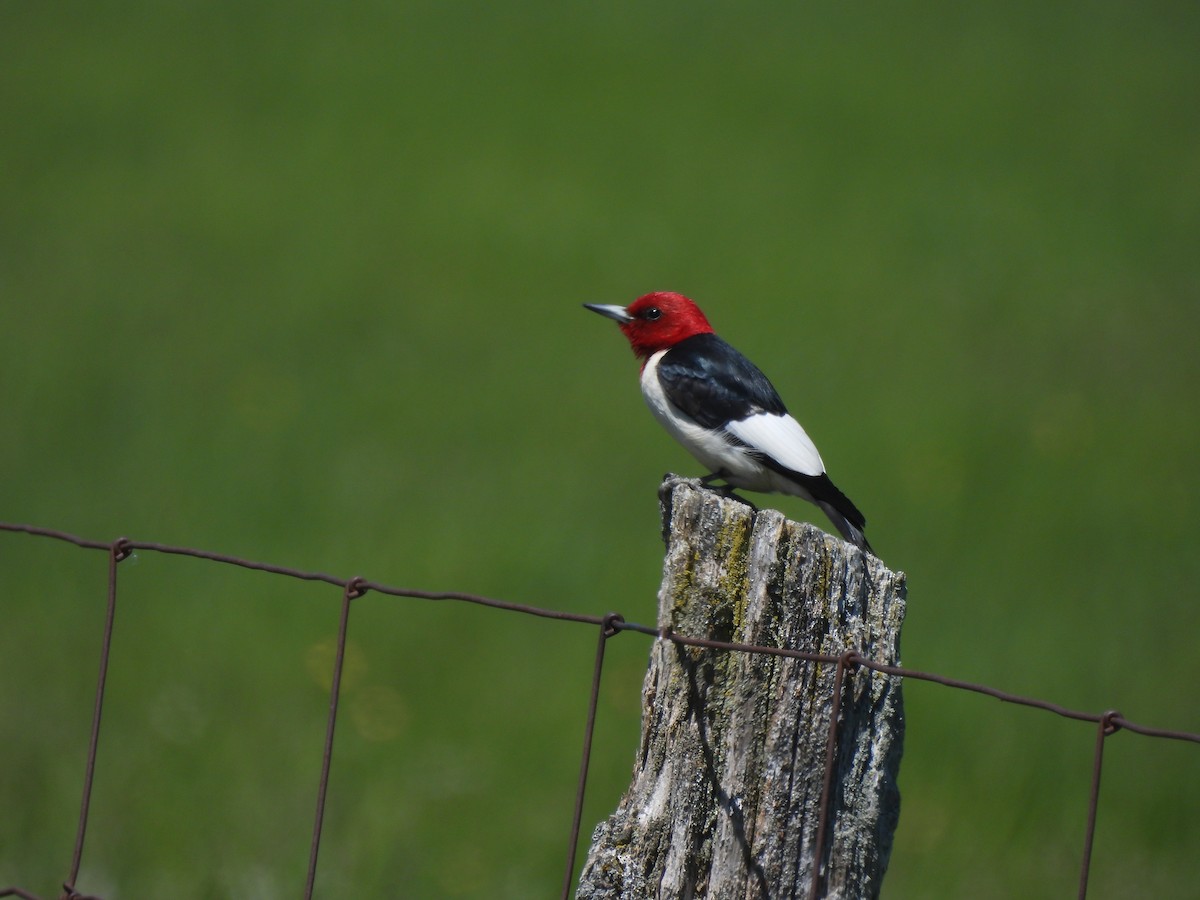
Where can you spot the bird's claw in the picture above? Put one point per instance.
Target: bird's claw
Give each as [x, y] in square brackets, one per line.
[725, 490]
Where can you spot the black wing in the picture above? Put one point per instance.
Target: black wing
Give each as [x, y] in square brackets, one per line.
[712, 383]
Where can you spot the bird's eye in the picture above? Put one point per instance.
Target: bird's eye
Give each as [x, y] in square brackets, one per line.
[652, 314]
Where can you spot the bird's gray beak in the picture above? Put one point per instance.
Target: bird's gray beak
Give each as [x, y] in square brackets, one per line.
[613, 312]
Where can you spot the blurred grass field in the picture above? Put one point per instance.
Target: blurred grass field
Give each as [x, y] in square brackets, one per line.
[303, 284]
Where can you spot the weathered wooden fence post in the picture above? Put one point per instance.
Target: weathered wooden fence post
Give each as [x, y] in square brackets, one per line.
[726, 794]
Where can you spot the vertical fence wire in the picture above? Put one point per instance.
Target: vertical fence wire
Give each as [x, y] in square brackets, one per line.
[352, 591]
[1108, 725]
[845, 661]
[608, 627]
[118, 551]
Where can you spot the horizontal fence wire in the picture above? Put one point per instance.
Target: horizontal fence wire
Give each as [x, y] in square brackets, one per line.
[609, 625]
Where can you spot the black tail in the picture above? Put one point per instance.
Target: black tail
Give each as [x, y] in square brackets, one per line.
[851, 532]
[842, 513]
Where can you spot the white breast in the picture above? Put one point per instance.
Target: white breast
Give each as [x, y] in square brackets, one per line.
[712, 449]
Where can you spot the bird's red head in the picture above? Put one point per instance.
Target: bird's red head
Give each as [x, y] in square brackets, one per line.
[656, 321]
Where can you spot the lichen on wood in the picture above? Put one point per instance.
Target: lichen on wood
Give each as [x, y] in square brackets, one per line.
[727, 781]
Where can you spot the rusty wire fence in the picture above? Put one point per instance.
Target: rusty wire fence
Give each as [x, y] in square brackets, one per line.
[608, 625]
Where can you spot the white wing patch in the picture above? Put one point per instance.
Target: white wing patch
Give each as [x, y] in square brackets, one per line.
[781, 438]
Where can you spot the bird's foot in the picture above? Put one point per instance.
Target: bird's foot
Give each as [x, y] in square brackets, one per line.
[725, 490]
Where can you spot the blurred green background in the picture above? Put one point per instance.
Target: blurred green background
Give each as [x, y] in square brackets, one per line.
[302, 283]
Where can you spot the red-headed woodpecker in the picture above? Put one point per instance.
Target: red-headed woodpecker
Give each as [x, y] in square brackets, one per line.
[723, 410]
